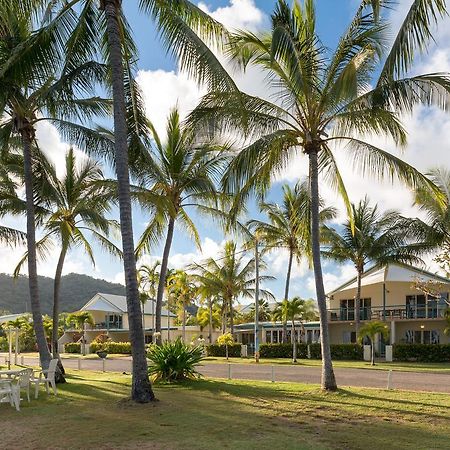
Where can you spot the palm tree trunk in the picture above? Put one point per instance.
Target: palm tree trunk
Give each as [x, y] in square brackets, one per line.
[373, 351]
[294, 342]
[184, 323]
[162, 277]
[210, 325]
[230, 302]
[55, 316]
[44, 353]
[328, 378]
[286, 292]
[141, 390]
[358, 300]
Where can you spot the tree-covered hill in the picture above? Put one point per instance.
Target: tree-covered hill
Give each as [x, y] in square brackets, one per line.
[76, 290]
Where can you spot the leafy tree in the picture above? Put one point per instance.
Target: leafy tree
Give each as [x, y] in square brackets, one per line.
[372, 330]
[371, 236]
[74, 209]
[37, 83]
[229, 278]
[327, 102]
[226, 339]
[289, 227]
[181, 175]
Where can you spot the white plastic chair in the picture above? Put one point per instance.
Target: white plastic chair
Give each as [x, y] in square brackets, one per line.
[46, 377]
[9, 389]
[23, 381]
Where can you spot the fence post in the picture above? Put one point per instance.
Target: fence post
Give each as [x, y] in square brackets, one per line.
[273, 373]
[22, 360]
[103, 364]
[389, 379]
[79, 363]
[229, 371]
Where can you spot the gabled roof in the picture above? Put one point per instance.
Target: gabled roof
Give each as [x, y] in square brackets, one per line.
[391, 273]
[118, 304]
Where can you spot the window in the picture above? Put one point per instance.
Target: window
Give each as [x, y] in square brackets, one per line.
[348, 309]
[269, 337]
[422, 337]
[114, 321]
[349, 337]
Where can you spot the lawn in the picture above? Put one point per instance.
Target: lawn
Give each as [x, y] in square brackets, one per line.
[90, 412]
[402, 366]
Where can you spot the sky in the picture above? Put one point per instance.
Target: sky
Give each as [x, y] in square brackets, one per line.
[164, 86]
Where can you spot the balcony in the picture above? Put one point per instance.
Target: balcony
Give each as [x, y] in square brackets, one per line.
[392, 312]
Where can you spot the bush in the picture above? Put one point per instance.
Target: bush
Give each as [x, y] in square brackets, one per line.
[349, 352]
[101, 339]
[281, 350]
[122, 348]
[422, 352]
[234, 351]
[174, 361]
[72, 347]
[4, 347]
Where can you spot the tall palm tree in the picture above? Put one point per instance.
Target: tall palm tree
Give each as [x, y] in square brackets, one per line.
[209, 316]
[230, 277]
[326, 102]
[436, 227]
[372, 330]
[289, 227]
[182, 175]
[370, 236]
[75, 208]
[183, 289]
[36, 85]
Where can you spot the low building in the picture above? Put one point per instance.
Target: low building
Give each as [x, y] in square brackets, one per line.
[110, 316]
[391, 294]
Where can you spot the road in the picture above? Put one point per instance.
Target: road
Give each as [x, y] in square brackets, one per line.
[413, 381]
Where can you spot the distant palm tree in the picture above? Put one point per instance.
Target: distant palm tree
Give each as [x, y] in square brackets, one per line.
[79, 320]
[210, 318]
[73, 210]
[38, 83]
[372, 330]
[372, 236]
[229, 277]
[326, 102]
[181, 175]
[148, 277]
[183, 289]
[289, 227]
[264, 312]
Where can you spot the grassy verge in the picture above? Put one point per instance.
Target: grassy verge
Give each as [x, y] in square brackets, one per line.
[89, 412]
[401, 366]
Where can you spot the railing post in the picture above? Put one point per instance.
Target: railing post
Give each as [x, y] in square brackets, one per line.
[389, 379]
[273, 373]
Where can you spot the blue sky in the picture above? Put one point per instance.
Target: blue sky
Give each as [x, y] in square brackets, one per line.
[163, 86]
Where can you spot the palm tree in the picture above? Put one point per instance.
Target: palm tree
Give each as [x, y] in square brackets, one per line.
[230, 277]
[79, 320]
[327, 102]
[371, 236]
[180, 175]
[37, 84]
[209, 317]
[372, 330]
[148, 277]
[74, 207]
[436, 228]
[289, 227]
[182, 288]
[264, 313]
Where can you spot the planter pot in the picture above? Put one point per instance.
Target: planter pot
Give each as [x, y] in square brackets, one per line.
[102, 354]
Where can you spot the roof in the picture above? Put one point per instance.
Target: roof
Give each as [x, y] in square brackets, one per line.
[118, 304]
[8, 317]
[390, 273]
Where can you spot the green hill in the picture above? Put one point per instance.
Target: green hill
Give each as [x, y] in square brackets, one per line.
[76, 290]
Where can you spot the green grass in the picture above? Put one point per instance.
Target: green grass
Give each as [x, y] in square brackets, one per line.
[89, 412]
[401, 366]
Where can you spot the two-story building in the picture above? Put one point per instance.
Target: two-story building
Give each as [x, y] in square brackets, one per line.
[110, 316]
[395, 294]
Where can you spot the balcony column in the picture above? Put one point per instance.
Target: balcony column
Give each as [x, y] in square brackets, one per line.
[392, 336]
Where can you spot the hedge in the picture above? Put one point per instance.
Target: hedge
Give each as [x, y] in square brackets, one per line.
[282, 351]
[422, 352]
[123, 348]
[72, 347]
[219, 350]
[338, 351]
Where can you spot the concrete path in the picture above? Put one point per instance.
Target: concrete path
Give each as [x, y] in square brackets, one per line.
[413, 381]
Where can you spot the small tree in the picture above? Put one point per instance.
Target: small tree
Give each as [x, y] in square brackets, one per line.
[225, 339]
[372, 330]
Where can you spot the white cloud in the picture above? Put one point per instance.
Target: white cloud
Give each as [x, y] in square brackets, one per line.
[332, 280]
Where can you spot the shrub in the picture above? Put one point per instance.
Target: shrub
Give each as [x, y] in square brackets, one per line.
[174, 361]
[122, 348]
[234, 350]
[281, 351]
[422, 352]
[101, 339]
[349, 352]
[72, 347]
[4, 347]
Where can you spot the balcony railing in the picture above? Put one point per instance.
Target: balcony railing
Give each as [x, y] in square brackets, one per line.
[390, 312]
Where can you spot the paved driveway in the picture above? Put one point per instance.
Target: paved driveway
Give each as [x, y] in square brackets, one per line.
[414, 381]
